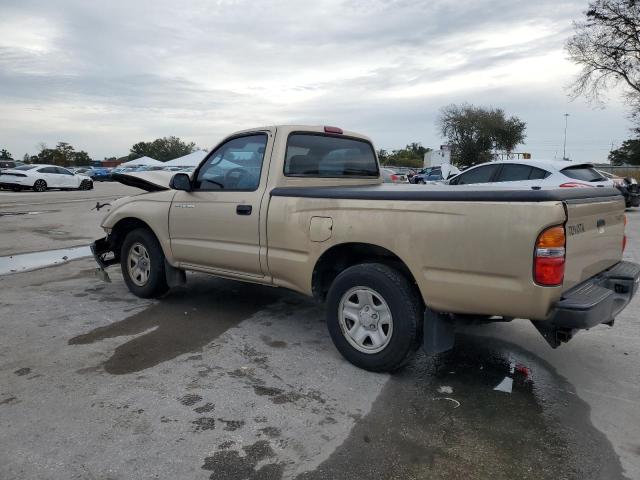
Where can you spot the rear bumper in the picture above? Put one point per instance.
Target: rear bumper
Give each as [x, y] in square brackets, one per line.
[598, 300]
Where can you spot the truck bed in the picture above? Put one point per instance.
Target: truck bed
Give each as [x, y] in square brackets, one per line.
[462, 193]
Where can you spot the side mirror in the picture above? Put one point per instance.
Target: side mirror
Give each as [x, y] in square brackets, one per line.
[180, 181]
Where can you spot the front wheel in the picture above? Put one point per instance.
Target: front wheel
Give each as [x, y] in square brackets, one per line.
[373, 316]
[39, 186]
[142, 262]
[85, 185]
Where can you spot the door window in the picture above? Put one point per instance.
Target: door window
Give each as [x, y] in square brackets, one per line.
[538, 174]
[48, 170]
[235, 165]
[476, 175]
[514, 172]
[63, 171]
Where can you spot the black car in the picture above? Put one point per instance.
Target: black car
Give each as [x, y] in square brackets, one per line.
[628, 186]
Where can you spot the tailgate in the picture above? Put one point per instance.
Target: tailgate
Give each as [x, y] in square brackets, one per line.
[594, 232]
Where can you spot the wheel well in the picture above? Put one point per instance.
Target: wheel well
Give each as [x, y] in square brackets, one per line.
[341, 257]
[122, 228]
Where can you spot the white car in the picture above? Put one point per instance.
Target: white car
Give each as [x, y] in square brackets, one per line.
[391, 176]
[43, 177]
[532, 173]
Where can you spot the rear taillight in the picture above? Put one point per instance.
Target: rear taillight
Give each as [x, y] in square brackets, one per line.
[575, 185]
[394, 178]
[549, 257]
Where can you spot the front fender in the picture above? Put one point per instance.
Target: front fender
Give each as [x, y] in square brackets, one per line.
[151, 209]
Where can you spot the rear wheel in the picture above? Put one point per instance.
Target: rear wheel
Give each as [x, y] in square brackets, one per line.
[85, 185]
[39, 186]
[373, 316]
[142, 262]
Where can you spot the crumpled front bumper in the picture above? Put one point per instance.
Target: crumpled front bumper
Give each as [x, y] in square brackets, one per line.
[104, 252]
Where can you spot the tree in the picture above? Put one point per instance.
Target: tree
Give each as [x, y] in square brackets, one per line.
[476, 133]
[606, 44]
[63, 155]
[410, 156]
[627, 154]
[82, 159]
[5, 155]
[163, 149]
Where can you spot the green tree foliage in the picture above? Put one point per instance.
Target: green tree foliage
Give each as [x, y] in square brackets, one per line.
[64, 155]
[5, 155]
[410, 156]
[627, 154]
[163, 149]
[475, 133]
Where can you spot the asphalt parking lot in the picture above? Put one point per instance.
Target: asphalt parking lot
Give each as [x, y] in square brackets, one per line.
[225, 380]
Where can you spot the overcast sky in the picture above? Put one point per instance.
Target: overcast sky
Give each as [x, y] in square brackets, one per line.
[104, 75]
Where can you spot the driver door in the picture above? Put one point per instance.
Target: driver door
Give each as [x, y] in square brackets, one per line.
[216, 226]
[66, 178]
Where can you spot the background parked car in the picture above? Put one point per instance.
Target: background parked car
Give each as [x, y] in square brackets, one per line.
[391, 176]
[432, 174]
[4, 164]
[407, 171]
[43, 177]
[543, 173]
[628, 187]
[100, 174]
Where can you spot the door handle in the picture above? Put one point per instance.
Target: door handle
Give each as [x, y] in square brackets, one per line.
[243, 209]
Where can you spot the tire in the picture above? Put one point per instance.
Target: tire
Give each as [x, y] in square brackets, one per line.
[148, 280]
[40, 186]
[397, 296]
[85, 185]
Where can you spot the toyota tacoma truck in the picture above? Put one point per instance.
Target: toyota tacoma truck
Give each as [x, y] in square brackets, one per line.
[399, 266]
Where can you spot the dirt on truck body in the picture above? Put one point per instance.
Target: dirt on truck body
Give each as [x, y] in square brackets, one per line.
[304, 208]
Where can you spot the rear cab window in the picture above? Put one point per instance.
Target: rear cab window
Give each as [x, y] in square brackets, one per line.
[330, 156]
[586, 173]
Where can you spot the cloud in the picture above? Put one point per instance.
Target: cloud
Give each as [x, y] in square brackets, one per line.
[105, 75]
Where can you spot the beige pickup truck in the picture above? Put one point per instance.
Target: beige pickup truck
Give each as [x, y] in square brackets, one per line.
[398, 266]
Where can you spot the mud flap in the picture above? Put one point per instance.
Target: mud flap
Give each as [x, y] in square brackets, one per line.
[102, 274]
[175, 277]
[438, 332]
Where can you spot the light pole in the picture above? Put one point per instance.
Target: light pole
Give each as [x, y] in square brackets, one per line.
[564, 149]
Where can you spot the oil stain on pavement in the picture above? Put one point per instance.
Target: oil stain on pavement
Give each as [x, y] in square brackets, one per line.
[182, 322]
[416, 429]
